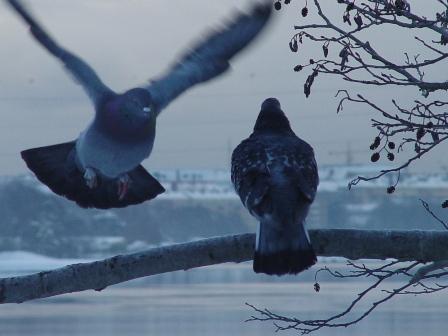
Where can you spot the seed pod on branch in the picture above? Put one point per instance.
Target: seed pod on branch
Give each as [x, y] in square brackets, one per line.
[309, 83]
[346, 19]
[390, 190]
[417, 148]
[420, 133]
[375, 157]
[304, 11]
[358, 20]
[343, 54]
[298, 68]
[435, 136]
[325, 49]
[293, 45]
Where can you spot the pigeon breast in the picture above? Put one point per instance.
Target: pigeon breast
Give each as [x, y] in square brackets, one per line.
[111, 157]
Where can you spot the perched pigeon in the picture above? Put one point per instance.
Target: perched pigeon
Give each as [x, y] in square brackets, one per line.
[275, 174]
[101, 168]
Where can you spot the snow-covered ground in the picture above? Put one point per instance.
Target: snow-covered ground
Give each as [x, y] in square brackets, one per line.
[23, 262]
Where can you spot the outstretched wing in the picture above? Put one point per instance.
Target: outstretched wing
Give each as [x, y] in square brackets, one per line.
[83, 73]
[210, 57]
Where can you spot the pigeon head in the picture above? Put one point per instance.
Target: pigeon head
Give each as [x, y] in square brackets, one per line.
[271, 118]
[137, 103]
[130, 114]
[271, 103]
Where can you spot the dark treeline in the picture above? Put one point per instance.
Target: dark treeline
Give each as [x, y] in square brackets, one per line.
[35, 220]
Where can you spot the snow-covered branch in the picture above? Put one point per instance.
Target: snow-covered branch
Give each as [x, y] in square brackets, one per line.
[351, 244]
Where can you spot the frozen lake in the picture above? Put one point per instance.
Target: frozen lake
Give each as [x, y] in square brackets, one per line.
[166, 306]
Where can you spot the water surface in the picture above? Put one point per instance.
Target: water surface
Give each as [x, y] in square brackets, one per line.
[215, 309]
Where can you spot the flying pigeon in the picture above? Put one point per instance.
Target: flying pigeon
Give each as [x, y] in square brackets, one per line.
[275, 175]
[101, 168]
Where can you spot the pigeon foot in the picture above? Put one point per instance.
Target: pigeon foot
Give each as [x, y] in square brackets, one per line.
[123, 186]
[90, 178]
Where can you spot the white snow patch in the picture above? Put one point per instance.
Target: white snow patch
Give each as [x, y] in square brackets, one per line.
[20, 262]
[104, 243]
[105, 214]
[44, 189]
[138, 245]
[361, 207]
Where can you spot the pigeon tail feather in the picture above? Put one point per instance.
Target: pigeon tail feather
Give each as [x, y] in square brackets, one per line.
[282, 252]
[56, 167]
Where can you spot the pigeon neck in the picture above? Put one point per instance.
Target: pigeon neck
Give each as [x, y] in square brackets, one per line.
[272, 121]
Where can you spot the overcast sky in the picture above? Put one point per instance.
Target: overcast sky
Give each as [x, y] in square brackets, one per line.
[129, 42]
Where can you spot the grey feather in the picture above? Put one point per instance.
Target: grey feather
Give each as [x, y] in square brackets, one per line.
[210, 57]
[80, 70]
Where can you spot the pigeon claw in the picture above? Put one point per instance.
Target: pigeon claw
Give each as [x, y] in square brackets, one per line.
[123, 186]
[90, 178]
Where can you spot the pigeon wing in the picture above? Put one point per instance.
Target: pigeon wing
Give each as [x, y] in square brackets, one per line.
[82, 72]
[250, 175]
[303, 169]
[210, 57]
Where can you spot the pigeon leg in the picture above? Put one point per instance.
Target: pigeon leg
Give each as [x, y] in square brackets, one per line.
[90, 178]
[123, 186]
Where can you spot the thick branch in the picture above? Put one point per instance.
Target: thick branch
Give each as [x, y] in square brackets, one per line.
[351, 244]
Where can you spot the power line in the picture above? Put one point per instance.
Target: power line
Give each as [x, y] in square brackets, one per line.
[195, 95]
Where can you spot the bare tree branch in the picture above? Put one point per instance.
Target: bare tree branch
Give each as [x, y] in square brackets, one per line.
[433, 215]
[353, 244]
[380, 274]
[421, 280]
[362, 58]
